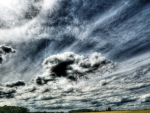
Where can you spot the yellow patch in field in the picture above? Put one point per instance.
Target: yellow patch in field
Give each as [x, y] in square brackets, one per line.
[130, 111]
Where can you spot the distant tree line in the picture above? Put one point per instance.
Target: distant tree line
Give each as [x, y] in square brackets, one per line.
[48, 112]
[87, 110]
[14, 109]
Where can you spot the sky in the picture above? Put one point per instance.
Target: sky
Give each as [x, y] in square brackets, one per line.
[75, 54]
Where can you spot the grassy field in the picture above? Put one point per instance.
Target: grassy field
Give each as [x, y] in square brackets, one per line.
[134, 111]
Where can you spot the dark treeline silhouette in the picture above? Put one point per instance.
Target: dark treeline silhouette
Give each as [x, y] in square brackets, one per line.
[48, 112]
[14, 109]
[108, 109]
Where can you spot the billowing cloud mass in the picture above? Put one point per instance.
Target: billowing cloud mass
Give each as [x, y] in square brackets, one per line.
[73, 66]
[4, 50]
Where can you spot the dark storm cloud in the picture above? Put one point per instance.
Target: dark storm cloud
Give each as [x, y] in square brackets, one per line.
[40, 80]
[16, 84]
[73, 66]
[4, 50]
[7, 93]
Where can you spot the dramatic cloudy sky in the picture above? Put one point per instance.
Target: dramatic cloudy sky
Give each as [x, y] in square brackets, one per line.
[75, 54]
